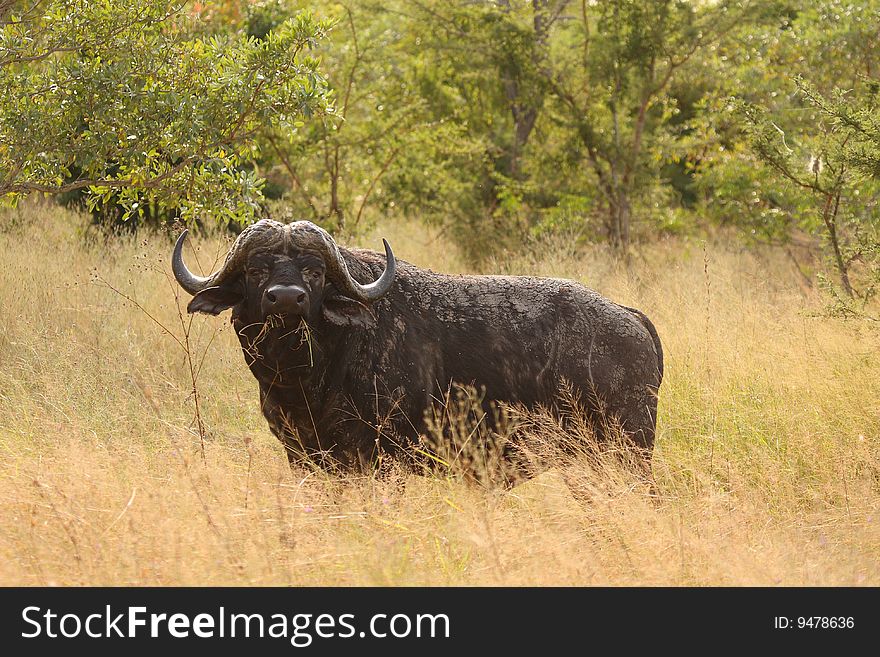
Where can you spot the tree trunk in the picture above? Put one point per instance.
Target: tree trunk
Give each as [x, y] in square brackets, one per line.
[336, 211]
[829, 216]
[621, 213]
[524, 114]
[624, 213]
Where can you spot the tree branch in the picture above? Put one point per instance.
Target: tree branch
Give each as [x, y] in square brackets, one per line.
[293, 175]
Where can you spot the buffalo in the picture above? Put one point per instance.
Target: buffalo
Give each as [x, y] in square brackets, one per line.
[352, 349]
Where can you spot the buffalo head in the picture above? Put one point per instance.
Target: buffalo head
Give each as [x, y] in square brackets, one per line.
[283, 282]
[288, 271]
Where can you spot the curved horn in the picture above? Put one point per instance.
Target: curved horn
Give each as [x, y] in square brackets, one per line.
[337, 269]
[188, 281]
[380, 287]
[259, 235]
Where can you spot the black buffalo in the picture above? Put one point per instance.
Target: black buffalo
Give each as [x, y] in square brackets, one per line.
[351, 348]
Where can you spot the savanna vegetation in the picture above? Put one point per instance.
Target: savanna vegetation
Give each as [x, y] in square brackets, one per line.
[714, 164]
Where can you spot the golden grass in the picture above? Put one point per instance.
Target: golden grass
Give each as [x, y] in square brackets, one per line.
[767, 458]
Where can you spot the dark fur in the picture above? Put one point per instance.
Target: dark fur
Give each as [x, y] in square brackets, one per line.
[360, 380]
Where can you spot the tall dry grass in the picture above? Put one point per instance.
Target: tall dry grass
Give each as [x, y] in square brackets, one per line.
[767, 460]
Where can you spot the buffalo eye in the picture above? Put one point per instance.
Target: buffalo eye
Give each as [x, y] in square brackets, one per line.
[258, 273]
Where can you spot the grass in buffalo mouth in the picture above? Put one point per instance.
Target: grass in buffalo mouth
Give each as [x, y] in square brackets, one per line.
[280, 321]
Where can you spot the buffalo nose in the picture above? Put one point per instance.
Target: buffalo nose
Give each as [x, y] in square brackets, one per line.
[284, 299]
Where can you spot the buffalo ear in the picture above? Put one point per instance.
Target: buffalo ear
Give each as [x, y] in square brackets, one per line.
[348, 312]
[214, 300]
